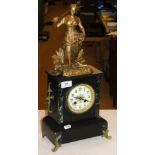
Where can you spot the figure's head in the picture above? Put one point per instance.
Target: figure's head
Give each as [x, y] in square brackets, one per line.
[73, 8]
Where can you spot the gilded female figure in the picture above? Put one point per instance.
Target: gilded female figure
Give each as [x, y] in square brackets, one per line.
[73, 38]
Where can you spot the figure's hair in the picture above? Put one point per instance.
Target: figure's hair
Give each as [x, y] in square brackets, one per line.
[73, 6]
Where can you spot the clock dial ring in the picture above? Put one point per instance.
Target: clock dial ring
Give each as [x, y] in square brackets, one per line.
[80, 98]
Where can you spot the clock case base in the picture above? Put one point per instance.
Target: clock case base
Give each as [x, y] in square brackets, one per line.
[64, 133]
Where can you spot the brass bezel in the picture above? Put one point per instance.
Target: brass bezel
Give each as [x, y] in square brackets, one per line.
[87, 107]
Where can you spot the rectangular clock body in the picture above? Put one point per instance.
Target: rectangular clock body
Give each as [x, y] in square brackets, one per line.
[61, 85]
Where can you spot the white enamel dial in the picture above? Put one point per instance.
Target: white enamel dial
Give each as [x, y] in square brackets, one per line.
[80, 98]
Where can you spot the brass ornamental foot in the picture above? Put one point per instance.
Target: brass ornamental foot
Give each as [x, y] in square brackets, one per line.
[56, 143]
[56, 147]
[105, 134]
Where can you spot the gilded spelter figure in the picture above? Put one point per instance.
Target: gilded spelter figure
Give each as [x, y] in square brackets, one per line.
[69, 58]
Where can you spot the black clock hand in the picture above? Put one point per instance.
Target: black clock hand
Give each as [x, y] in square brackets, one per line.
[80, 98]
[77, 97]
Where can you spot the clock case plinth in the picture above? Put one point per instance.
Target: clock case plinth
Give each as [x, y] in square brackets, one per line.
[58, 135]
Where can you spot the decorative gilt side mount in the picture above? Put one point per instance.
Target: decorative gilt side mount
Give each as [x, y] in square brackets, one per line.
[69, 60]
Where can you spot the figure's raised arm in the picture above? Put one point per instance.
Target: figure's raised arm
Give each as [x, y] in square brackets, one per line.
[61, 22]
[57, 22]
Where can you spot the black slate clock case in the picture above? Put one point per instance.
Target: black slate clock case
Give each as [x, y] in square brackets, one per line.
[62, 126]
[60, 112]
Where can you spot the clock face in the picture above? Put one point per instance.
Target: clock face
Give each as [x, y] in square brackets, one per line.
[80, 98]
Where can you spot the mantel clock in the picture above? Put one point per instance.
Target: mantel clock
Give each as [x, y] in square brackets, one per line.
[73, 90]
